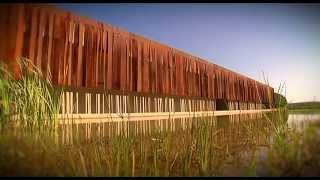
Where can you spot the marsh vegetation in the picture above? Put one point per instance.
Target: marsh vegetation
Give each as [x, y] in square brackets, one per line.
[247, 145]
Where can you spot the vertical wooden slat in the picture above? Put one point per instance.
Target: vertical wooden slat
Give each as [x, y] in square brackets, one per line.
[109, 62]
[129, 65]
[64, 63]
[49, 55]
[94, 61]
[123, 63]
[176, 84]
[104, 58]
[145, 67]
[115, 62]
[89, 57]
[97, 58]
[14, 38]
[139, 66]
[152, 72]
[4, 15]
[161, 73]
[75, 48]
[33, 35]
[79, 75]
[19, 38]
[86, 48]
[170, 91]
[70, 54]
[40, 39]
[57, 49]
[134, 67]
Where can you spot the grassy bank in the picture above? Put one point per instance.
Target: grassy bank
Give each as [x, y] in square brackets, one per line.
[304, 105]
[304, 111]
[304, 108]
[296, 153]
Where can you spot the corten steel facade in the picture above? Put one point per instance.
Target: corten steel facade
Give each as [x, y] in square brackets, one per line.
[77, 52]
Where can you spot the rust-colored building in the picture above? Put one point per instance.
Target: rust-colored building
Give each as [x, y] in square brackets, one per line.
[84, 56]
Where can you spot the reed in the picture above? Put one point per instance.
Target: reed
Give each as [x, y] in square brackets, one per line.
[291, 153]
[5, 98]
[31, 100]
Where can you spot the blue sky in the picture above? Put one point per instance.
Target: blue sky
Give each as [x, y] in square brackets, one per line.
[282, 40]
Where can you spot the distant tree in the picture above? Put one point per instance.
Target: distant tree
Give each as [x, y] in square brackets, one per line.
[280, 100]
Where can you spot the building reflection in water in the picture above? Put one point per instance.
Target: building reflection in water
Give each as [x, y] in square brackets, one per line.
[234, 139]
[235, 129]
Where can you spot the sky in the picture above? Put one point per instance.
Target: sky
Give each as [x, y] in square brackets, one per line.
[281, 40]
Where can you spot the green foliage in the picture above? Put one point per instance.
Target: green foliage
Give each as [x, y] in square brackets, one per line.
[5, 98]
[31, 100]
[304, 111]
[304, 105]
[295, 153]
[280, 100]
[252, 169]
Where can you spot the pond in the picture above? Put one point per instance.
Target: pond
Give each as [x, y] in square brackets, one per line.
[234, 145]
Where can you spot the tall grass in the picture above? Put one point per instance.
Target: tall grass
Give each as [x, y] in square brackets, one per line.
[295, 153]
[5, 98]
[291, 153]
[31, 100]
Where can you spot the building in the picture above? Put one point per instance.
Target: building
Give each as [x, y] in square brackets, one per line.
[108, 70]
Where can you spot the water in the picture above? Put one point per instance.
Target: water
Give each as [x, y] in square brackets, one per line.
[230, 128]
[301, 121]
[234, 139]
[232, 142]
[237, 139]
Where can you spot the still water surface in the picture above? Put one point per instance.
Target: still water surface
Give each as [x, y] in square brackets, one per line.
[237, 139]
